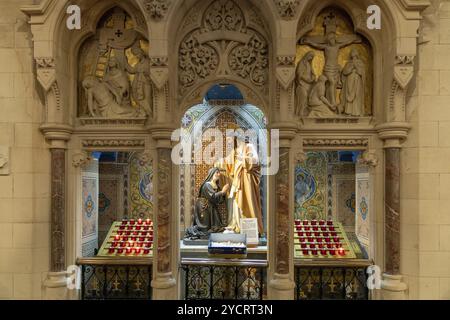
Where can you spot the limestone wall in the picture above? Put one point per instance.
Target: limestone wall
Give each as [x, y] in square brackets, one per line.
[24, 193]
[425, 240]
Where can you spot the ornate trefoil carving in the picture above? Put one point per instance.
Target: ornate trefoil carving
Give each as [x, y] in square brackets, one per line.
[157, 9]
[287, 8]
[225, 44]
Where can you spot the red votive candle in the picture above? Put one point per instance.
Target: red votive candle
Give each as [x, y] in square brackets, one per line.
[332, 252]
[330, 222]
[310, 239]
[302, 239]
[129, 250]
[341, 251]
[111, 250]
[314, 252]
[312, 246]
[150, 238]
[124, 222]
[303, 245]
[333, 234]
[130, 228]
[322, 222]
[320, 246]
[297, 222]
[327, 240]
[319, 239]
[315, 228]
[146, 251]
[139, 221]
[121, 227]
[336, 239]
[300, 234]
[307, 228]
[316, 234]
[330, 246]
[147, 221]
[305, 252]
[323, 228]
[323, 252]
[325, 234]
[117, 238]
[137, 250]
[120, 251]
[305, 222]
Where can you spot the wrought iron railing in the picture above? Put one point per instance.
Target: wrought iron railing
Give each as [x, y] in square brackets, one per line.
[220, 279]
[331, 280]
[114, 279]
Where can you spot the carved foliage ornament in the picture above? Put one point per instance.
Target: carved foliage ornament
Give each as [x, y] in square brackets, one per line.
[335, 142]
[223, 45]
[46, 73]
[113, 143]
[287, 8]
[157, 9]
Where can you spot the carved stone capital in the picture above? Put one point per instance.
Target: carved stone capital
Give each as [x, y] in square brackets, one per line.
[57, 134]
[46, 72]
[287, 9]
[157, 9]
[162, 133]
[81, 159]
[288, 130]
[393, 133]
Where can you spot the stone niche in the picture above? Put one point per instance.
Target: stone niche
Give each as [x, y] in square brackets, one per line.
[334, 73]
[114, 83]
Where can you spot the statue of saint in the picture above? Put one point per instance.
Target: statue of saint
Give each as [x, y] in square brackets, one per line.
[354, 80]
[101, 101]
[206, 215]
[319, 105]
[242, 168]
[305, 78]
[142, 85]
[331, 44]
[118, 82]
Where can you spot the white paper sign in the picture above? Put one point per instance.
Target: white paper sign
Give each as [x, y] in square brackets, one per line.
[250, 228]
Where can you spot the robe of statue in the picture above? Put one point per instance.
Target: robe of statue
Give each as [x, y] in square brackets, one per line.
[352, 98]
[243, 169]
[206, 214]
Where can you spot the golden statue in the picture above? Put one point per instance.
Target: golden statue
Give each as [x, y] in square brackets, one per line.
[242, 171]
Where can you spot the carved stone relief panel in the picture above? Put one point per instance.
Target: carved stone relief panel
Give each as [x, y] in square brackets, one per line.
[334, 73]
[114, 71]
[223, 44]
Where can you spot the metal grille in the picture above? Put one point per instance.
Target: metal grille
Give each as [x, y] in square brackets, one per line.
[224, 282]
[331, 283]
[111, 282]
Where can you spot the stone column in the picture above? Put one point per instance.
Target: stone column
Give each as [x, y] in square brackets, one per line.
[281, 252]
[393, 135]
[56, 283]
[164, 262]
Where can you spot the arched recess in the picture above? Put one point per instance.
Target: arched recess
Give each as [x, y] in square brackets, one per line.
[379, 43]
[223, 116]
[71, 42]
[222, 41]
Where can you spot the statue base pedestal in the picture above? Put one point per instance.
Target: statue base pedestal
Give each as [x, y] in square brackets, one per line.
[199, 242]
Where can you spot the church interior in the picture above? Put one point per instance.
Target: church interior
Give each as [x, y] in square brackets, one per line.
[224, 150]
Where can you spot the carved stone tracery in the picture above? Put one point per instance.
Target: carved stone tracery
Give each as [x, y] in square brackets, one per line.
[224, 45]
